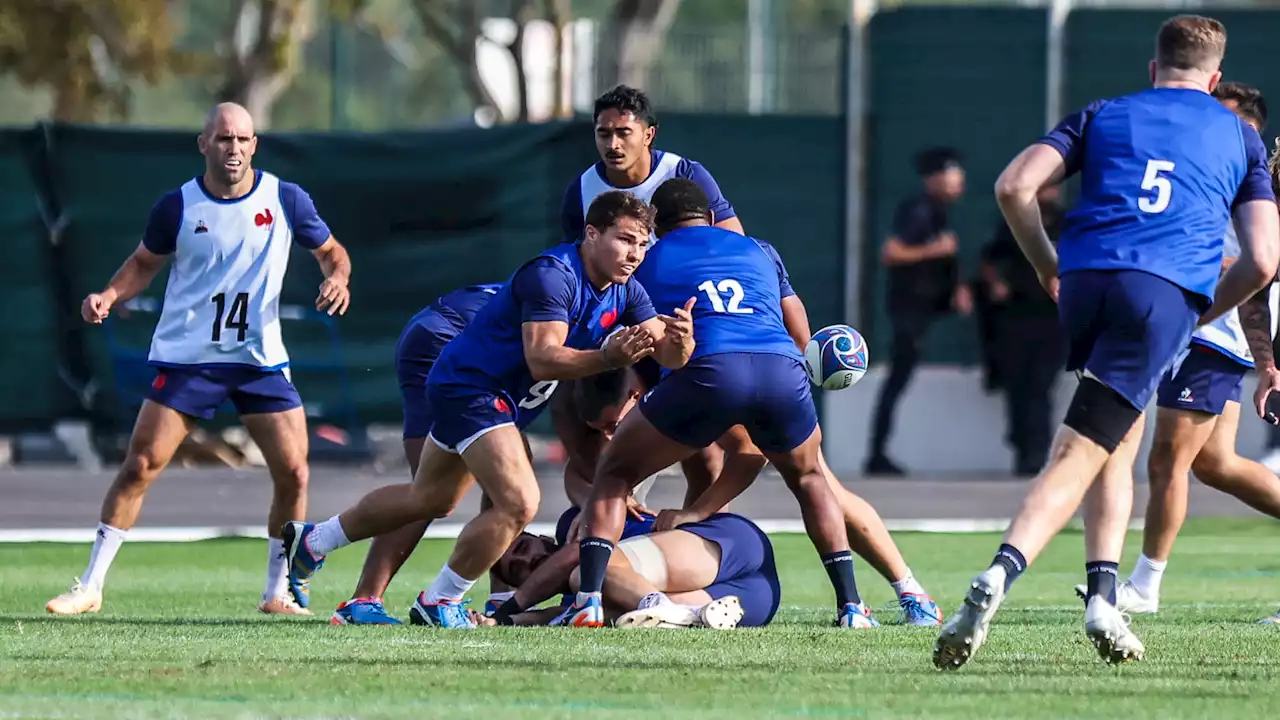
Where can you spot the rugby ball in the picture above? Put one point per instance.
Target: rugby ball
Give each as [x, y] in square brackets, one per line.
[836, 357]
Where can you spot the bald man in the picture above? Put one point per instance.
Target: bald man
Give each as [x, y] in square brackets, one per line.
[218, 338]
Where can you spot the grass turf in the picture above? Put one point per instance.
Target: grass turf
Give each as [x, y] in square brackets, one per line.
[179, 637]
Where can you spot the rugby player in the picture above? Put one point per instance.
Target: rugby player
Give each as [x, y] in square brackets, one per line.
[1199, 413]
[229, 232]
[1163, 171]
[570, 312]
[717, 573]
[746, 370]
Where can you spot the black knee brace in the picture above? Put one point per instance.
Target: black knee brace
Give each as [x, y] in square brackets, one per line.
[1100, 414]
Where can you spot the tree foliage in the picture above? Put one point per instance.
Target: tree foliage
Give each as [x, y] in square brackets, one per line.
[84, 52]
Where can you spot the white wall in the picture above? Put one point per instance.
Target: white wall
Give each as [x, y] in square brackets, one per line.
[947, 424]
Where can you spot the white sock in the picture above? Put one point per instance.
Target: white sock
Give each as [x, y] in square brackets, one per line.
[652, 599]
[448, 585]
[497, 598]
[105, 547]
[1146, 576]
[277, 570]
[908, 584]
[327, 537]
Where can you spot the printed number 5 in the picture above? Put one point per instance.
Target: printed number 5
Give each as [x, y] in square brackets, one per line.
[539, 393]
[1152, 180]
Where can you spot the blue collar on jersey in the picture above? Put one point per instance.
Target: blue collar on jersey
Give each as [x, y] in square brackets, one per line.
[655, 156]
[257, 180]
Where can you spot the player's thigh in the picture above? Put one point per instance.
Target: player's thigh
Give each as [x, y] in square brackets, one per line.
[782, 420]
[282, 438]
[413, 452]
[1220, 449]
[157, 433]
[500, 464]
[692, 562]
[759, 593]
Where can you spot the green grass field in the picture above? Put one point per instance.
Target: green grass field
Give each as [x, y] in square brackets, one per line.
[179, 637]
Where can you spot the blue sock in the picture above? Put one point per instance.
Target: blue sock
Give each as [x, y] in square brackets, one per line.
[1102, 576]
[839, 567]
[1010, 558]
[593, 560]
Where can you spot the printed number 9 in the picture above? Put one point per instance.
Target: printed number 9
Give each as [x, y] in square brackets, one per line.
[539, 393]
[1152, 180]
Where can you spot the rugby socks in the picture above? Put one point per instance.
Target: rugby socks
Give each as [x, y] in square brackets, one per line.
[277, 570]
[1102, 580]
[105, 546]
[448, 586]
[1010, 560]
[327, 537]
[1146, 576]
[839, 567]
[593, 560]
[908, 586]
[511, 607]
[500, 598]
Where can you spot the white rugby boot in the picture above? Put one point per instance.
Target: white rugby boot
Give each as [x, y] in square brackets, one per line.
[657, 611]
[1109, 632]
[80, 599]
[1129, 599]
[722, 614]
[965, 632]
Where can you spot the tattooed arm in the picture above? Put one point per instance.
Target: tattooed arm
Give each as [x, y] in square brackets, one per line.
[1255, 320]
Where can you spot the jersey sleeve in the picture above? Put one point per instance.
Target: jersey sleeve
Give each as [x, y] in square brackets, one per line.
[1068, 136]
[309, 230]
[1257, 180]
[572, 223]
[692, 170]
[639, 307]
[784, 279]
[544, 290]
[161, 235]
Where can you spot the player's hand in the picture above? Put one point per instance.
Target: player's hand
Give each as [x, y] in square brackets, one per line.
[635, 509]
[671, 519]
[1268, 382]
[334, 295]
[945, 245]
[679, 325]
[482, 620]
[962, 300]
[626, 346]
[999, 291]
[1050, 284]
[95, 308]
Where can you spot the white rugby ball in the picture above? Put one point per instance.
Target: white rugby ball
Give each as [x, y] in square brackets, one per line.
[836, 357]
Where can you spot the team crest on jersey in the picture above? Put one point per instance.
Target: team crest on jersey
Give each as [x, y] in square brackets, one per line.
[263, 218]
[200, 227]
[608, 318]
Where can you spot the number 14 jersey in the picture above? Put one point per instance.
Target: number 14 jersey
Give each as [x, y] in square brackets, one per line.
[1160, 171]
[221, 305]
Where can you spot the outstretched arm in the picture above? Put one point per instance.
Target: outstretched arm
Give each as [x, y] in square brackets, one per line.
[335, 264]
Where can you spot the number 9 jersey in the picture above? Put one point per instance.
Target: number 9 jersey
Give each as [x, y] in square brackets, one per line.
[1160, 171]
[221, 304]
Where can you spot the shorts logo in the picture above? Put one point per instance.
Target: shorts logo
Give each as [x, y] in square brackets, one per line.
[501, 406]
[158, 383]
[1185, 395]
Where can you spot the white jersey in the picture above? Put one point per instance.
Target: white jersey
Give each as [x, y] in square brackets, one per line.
[221, 306]
[592, 185]
[1225, 334]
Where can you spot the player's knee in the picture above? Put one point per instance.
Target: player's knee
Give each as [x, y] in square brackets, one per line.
[615, 475]
[293, 477]
[1212, 467]
[1160, 461]
[519, 504]
[1100, 414]
[139, 468]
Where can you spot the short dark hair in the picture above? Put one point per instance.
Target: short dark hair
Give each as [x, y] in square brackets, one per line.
[594, 393]
[1191, 42]
[936, 159]
[626, 99]
[1248, 99]
[608, 207]
[678, 200]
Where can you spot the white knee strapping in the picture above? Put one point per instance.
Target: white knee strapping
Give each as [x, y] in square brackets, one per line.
[646, 559]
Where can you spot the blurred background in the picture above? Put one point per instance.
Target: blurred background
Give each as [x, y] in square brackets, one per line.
[437, 137]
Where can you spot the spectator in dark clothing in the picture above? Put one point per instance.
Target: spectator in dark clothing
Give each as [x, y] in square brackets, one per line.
[920, 256]
[1031, 349]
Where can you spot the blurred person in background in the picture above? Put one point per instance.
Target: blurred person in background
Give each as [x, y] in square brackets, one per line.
[920, 254]
[1028, 350]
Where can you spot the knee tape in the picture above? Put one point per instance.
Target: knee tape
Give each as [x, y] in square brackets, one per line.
[646, 559]
[1100, 414]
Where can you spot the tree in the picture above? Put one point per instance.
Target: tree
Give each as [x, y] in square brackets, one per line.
[637, 28]
[86, 51]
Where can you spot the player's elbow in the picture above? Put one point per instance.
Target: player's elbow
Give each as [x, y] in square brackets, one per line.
[1013, 187]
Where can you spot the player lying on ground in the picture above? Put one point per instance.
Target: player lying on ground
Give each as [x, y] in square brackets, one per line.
[229, 233]
[555, 319]
[1163, 171]
[717, 573]
[603, 401]
[1199, 413]
[746, 371]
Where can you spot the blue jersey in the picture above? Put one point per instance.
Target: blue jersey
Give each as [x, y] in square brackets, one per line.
[1160, 171]
[552, 287]
[739, 285]
[455, 309]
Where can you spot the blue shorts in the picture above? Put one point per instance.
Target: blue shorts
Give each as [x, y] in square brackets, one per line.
[464, 414]
[765, 393]
[417, 350]
[199, 391]
[746, 566]
[632, 528]
[1125, 327]
[1201, 379]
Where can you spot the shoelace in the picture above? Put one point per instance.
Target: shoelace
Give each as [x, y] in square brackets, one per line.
[910, 608]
